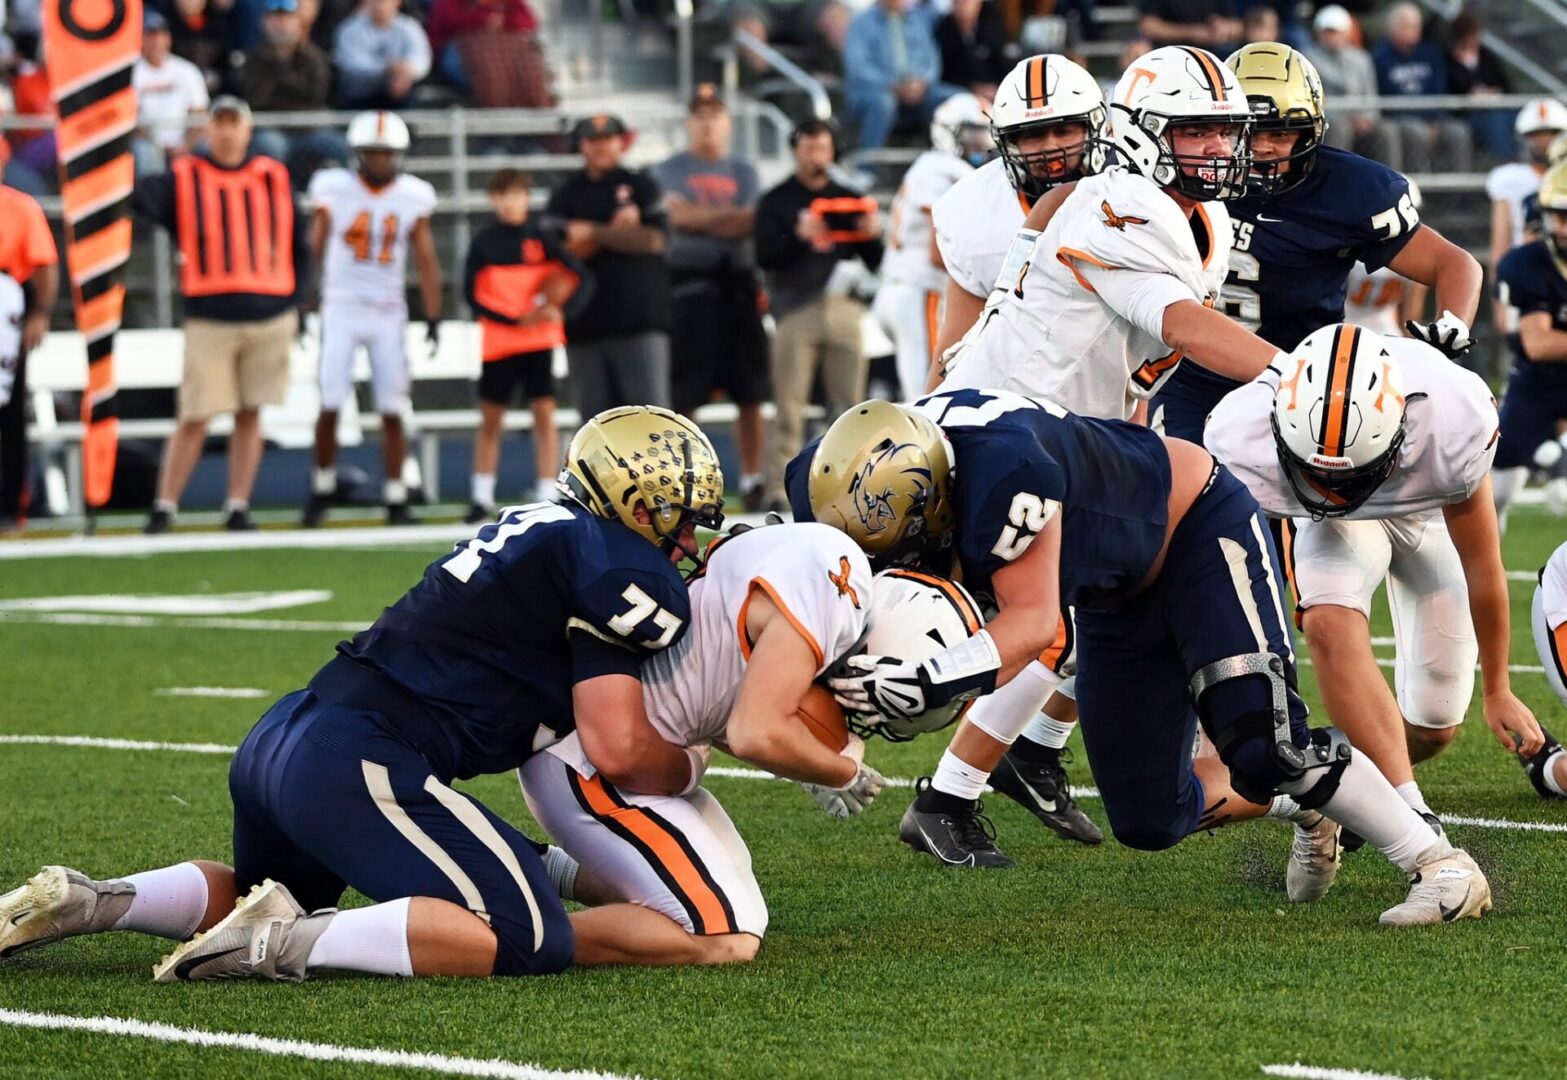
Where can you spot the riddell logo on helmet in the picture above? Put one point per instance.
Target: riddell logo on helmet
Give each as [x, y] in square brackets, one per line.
[1323, 461]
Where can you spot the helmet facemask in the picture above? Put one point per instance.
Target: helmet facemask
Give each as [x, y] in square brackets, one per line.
[1199, 176]
[1060, 164]
[1328, 492]
[1277, 175]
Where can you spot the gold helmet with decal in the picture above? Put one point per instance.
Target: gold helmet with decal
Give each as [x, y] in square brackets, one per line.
[1286, 94]
[641, 455]
[883, 475]
[1553, 211]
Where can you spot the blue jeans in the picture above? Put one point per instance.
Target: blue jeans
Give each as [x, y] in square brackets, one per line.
[876, 110]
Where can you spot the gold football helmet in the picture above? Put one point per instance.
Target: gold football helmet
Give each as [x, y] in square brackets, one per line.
[1557, 153]
[1285, 92]
[641, 455]
[883, 475]
[1553, 212]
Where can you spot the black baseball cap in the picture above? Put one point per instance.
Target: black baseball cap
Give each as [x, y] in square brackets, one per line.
[598, 126]
[707, 97]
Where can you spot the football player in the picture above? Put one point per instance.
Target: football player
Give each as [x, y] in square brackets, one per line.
[366, 220]
[1309, 214]
[772, 611]
[1548, 769]
[1538, 125]
[1533, 280]
[1383, 447]
[1165, 559]
[1049, 125]
[909, 300]
[1380, 299]
[533, 628]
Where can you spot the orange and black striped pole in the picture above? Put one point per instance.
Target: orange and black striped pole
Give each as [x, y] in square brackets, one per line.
[92, 46]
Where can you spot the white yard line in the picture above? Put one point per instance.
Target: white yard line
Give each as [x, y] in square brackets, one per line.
[263, 1044]
[153, 622]
[1298, 1071]
[264, 539]
[204, 604]
[212, 691]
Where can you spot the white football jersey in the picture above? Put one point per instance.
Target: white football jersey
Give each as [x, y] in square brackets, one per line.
[975, 222]
[1080, 323]
[909, 224]
[1553, 589]
[13, 304]
[1512, 183]
[817, 577]
[1373, 300]
[1450, 434]
[367, 242]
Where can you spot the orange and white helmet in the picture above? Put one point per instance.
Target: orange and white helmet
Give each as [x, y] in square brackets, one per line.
[960, 127]
[378, 130]
[1169, 87]
[1338, 418]
[1541, 114]
[1044, 91]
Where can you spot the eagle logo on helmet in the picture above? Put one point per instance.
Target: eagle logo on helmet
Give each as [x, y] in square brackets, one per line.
[875, 508]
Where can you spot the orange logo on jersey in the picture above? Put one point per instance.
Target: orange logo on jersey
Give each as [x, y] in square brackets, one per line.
[1116, 221]
[841, 579]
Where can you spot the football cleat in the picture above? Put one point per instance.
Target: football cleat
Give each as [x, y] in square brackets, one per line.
[1445, 887]
[266, 936]
[1314, 861]
[159, 521]
[1535, 766]
[315, 510]
[955, 837]
[1041, 788]
[56, 903]
[239, 521]
[478, 514]
[399, 514]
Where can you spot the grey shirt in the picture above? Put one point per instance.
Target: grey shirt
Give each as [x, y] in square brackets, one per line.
[729, 182]
[1349, 72]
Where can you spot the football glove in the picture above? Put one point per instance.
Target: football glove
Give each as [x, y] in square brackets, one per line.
[432, 335]
[901, 690]
[851, 799]
[1449, 333]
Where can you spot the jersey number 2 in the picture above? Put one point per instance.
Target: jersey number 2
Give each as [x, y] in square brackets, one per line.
[358, 236]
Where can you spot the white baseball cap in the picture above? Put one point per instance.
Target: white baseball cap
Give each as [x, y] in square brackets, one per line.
[1332, 17]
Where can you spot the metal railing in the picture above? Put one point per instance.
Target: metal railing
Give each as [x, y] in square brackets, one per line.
[810, 85]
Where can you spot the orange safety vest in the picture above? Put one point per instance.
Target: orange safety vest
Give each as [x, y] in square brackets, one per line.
[235, 226]
[513, 289]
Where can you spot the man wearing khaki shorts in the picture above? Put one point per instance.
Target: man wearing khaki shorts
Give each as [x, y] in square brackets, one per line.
[244, 267]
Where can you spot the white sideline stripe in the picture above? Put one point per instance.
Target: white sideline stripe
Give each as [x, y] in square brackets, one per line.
[262, 1044]
[152, 622]
[265, 539]
[239, 603]
[1297, 1071]
[729, 772]
[212, 691]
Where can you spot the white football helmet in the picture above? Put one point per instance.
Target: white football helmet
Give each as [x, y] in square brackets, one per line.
[914, 616]
[1338, 418]
[960, 127]
[1541, 114]
[378, 130]
[1172, 86]
[1044, 91]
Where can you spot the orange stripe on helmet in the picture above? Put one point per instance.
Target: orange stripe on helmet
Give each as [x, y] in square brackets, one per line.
[952, 591]
[1335, 409]
[932, 319]
[1210, 71]
[1036, 81]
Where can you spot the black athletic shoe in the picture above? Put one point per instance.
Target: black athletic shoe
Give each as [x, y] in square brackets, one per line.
[399, 514]
[239, 521]
[1038, 783]
[159, 521]
[478, 514]
[955, 833]
[1535, 766]
[315, 510]
[1353, 841]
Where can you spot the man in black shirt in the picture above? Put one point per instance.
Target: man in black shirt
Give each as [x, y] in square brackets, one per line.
[618, 348]
[806, 229]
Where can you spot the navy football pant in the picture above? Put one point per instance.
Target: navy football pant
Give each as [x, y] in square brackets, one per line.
[324, 798]
[1535, 402]
[1216, 597]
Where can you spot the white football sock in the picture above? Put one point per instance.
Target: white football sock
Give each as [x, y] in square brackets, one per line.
[958, 778]
[1006, 711]
[169, 902]
[167, 506]
[1046, 730]
[369, 939]
[751, 480]
[1285, 809]
[483, 489]
[1367, 804]
[236, 506]
[394, 492]
[562, 870]
[544, 489]
[1553, 769]
[1505, 485]
[1410, 793]
[323, 481]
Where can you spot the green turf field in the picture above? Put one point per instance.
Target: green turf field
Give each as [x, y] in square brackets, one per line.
[1080, 963]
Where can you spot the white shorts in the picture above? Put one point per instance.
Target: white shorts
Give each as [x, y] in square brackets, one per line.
[677, 855]
[1551, 643]
[1342, 562]
[911, 316]
[384, 334]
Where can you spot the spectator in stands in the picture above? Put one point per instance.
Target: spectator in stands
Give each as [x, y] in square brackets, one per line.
[1409, 67]
[322, 18]
[488, 48]
[506, 282]
[1260, 23]
[1213, 24]
[891, 71]
[240, 301]
[170, 93]
[975, 52]
[1347, 71]
[33, 153]
[719, 342]
[203, 34]
[1474, 70]
[286, 73]
[820, 26]
[24, 23]
[618, 348]
[380, 54]
[812, 233]
[27, 254]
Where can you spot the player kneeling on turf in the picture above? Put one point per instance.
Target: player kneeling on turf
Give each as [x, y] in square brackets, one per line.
[1547, 768]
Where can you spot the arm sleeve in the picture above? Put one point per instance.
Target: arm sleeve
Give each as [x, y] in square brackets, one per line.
[1137, 296]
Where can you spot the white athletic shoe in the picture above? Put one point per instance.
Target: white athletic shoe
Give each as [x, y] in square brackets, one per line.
[266, 936]
[1314, 861]
[1446, 886]
[58, 902]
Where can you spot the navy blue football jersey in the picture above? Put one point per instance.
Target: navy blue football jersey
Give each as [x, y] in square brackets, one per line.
[1292, 254]
[491, 640]
[1012, 458]
[1529, 279]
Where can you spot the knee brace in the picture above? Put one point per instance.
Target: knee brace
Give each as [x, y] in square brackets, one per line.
[1255, 743]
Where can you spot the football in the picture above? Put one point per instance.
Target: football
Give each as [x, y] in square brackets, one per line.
[824, 716]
